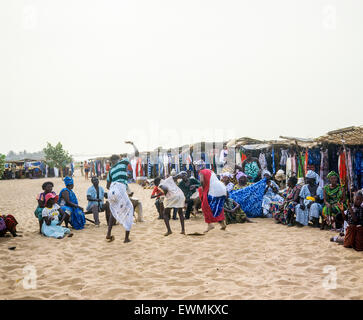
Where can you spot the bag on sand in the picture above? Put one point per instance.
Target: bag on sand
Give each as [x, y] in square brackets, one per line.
[358, 242]
[349, 236]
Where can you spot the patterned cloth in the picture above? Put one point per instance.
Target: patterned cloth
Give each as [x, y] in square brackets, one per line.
[334, 197]
[10, 223]
[236, 217]
[238, 186]
[250, 198]
[271, 201]
[120, 205]
[252, 169]
[288, 207]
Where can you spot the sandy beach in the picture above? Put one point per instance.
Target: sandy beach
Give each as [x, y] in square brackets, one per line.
[248, 261]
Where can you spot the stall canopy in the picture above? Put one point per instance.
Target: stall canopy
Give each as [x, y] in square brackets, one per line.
[243, 141]
[349, 136]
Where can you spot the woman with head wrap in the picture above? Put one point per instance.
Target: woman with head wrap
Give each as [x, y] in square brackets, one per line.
[311, 197]
[212, 194]
[226, 179]
[280, 177]
[69, 204]
[242, 181]
[334, 200]
[271, 200]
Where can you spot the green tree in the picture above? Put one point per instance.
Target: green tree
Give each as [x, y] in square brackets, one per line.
[2, 164]
[57, 157]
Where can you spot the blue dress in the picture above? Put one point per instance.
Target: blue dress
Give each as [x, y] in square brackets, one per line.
[250, 198]
[303, 216]
[77, 219]
[53, 230]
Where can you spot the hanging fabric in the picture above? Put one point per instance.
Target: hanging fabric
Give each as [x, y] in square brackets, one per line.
[342, 169]
[262, 161]
[273, 161]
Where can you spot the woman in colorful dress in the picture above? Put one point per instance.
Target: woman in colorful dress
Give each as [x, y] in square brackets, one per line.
[233, 212]
[271, 200]
[212, 194]
[226, 179]
[251, 167]
[334, 200]
[287, 209]
[8, 223]
[242, 181]
[69, 204]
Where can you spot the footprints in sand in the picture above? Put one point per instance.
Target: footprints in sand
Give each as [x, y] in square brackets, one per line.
[249, 261]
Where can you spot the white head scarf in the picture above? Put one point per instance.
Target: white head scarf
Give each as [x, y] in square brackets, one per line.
[313, 175]
[266, 172]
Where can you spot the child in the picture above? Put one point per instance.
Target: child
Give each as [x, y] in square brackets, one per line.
[51, 214]
[157, 193]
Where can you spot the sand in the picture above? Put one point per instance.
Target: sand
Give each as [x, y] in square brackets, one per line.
[247, 261]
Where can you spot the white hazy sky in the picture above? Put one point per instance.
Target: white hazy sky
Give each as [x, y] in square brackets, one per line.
[89, 73]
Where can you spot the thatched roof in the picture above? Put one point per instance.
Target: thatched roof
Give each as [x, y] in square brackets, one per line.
[243, 141]
[349, 136]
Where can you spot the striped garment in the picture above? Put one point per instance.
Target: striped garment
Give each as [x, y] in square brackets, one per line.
[118, 172]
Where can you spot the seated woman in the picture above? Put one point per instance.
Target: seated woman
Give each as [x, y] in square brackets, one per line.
[280, 178]
[8, 223]
[53, 217]
[271, 200]
[69, 204]
[233, 212]
[242, 181]
[251, 167]
[47, 188]
[311, 197]
[287, 209]
[334, 200]
[226, 179]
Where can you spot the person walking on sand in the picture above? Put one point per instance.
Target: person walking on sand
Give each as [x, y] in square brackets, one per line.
[174, 199]
[86, 170]
[213, 195]
[121, 206]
